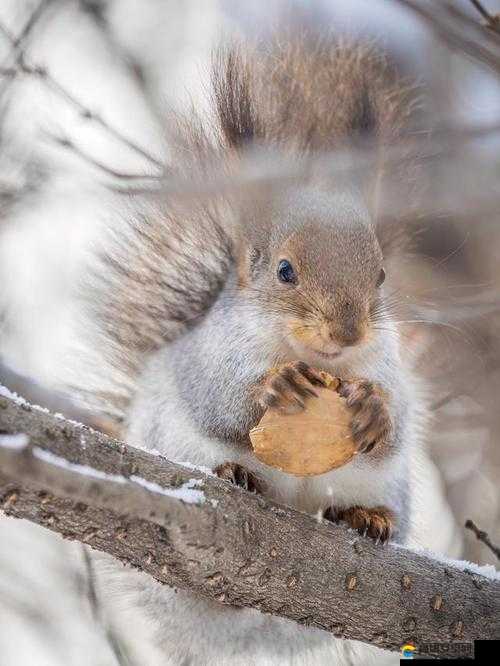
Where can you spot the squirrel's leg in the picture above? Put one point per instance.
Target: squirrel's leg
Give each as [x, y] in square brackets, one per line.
[372, 430]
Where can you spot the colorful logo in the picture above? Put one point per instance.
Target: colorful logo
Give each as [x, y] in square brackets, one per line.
[407, 651]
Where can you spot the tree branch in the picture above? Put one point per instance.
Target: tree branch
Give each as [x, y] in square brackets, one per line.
[483, 536]
[492, 21]
[458, 31]
[21, 64]
[191, 530]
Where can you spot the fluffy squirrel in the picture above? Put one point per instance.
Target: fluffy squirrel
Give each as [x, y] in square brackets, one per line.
[229, 305]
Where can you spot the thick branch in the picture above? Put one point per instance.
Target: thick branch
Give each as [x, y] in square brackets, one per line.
[193, 531]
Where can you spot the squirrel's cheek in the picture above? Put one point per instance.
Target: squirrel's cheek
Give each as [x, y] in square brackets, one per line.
[303, 332]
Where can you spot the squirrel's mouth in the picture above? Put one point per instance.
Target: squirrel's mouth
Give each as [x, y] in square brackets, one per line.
[300, 347]
[328, 355]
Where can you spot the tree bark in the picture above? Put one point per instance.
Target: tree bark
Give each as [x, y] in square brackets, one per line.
[193, 531]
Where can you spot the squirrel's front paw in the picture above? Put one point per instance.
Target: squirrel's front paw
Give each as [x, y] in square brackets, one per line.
[286, 388]
[239, 476]
[378, 523]
[371, 423]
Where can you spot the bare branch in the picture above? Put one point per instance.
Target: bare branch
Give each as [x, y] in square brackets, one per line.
[483, 537]
[191, 530]
[68, 144]
[491, 20]
[458, 31]
[21, 64]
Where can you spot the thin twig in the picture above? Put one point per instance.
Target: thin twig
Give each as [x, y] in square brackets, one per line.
[115, 644]
[31, 22]
[67, 143]
[23, 65]
[484, 13]
[14, 57]
[483, 537]
[449, 24]
[492, 21]
[17, 41]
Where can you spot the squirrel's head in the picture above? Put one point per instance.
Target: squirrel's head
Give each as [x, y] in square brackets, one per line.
[313, 261]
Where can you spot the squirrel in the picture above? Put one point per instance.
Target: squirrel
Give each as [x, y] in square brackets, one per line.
[226, 308]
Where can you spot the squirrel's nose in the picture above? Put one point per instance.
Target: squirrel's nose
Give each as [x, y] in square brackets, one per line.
[349, 338]
[347, 334]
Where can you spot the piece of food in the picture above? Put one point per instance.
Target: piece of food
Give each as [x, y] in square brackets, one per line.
[311, 442]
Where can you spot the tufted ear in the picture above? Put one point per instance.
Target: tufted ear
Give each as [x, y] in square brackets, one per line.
[252, 254]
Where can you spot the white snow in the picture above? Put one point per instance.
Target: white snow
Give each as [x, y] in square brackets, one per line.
[486, 570]
[6, 393]
[197, 468]
[18, 441]
[84, 470]
[186, 493]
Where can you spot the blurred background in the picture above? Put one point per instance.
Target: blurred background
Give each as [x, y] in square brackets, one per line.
[87, 90]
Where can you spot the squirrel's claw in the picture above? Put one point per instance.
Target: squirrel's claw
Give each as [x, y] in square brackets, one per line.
[239, 476]
[377, 523]
[371, 423]
[286, 388]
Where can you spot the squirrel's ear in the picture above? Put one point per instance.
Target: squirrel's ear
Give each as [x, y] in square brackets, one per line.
[250, 262]
[255, 260]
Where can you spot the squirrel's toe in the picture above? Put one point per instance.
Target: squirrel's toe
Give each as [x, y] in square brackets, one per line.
[239, 476]
[287, 387]
[371, 422]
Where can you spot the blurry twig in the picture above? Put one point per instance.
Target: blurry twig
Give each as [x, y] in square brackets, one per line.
[115, 644]
[22, 65]
[18, 41]
[50, 399]
[483, 537]
[438, 404]
[492, 21]
[15, 53]
[65, 142]
[455, 28]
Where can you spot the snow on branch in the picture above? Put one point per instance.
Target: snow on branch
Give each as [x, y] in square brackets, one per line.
[191, 530]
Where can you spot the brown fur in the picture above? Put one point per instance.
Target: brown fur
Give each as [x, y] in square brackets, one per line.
[371, 423]
[239, 476]
[307, 94]
[286, 387]
[378, 522]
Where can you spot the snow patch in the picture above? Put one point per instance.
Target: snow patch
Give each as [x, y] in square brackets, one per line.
[17, 441]
[195, 468]
[6, 393]
[84, 470]
[186, 493]
[486, 570]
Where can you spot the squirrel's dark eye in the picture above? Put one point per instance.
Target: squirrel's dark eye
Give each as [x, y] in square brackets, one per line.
[381, 277]
[286, 272]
